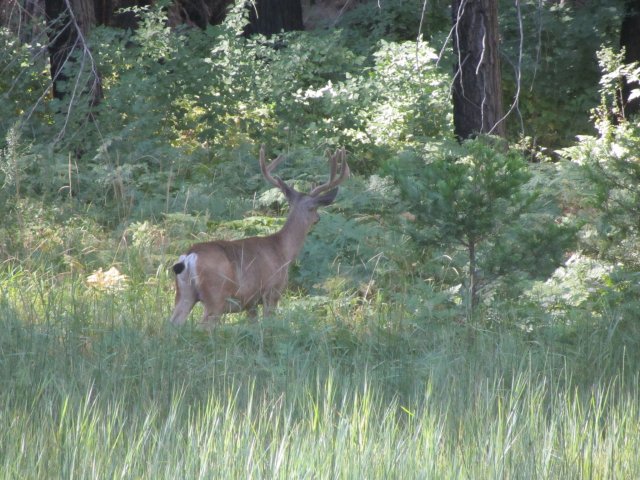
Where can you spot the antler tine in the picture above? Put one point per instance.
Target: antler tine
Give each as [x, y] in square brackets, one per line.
[267, 169]
[333, 161]
[334, 178]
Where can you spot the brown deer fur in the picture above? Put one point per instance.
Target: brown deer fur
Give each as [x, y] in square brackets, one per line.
[231, 276]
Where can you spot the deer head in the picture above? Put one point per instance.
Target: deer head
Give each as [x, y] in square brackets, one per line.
[231, 276]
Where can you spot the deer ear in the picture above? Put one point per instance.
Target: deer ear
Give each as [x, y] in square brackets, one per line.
[327, 198]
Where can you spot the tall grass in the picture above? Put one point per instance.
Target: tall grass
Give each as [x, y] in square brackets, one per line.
[96, 385]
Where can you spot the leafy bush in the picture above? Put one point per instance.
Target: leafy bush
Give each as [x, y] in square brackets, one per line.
[402, 100]
[23, 80]
[611, 172]
[181, 107]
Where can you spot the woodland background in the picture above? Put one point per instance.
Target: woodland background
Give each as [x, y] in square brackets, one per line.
[468, 308]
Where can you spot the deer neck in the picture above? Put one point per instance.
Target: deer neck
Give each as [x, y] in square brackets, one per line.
[292, 237]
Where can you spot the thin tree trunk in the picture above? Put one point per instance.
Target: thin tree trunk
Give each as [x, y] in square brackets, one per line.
[477, 86]
[61, 41]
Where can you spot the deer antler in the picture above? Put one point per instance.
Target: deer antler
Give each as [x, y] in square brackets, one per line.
[334, 178]
[267, 169]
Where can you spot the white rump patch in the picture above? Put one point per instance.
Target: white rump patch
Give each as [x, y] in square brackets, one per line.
[188, 276]
[189, 261]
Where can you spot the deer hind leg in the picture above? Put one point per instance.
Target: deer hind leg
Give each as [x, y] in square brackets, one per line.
[211, 317]
[181, 310]
[186, 293]
[216, 285]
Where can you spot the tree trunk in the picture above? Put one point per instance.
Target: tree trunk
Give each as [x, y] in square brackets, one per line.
[107, 12]
[199, 13]
[61, 40]
[68, 21]
[477, 86]
[274, 16]
[630, 40]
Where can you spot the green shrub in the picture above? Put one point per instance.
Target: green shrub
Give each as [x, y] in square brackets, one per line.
[482, 207]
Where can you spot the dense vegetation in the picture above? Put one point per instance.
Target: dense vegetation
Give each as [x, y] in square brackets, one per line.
[462, 311]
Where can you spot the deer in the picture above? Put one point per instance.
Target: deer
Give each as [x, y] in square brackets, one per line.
[230, 276]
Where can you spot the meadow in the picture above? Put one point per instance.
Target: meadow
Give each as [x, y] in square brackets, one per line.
[96, 384]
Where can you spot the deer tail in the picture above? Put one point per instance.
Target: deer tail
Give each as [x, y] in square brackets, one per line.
[186, 263]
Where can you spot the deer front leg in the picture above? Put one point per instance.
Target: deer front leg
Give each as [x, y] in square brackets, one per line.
[210, 319]
[209, 323]
[270, 302]
[252, 313]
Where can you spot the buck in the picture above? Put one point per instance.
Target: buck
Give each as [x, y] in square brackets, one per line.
[237, 275]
